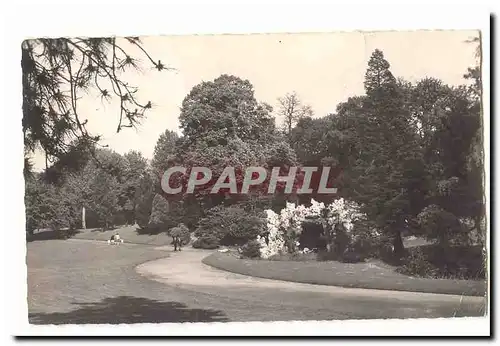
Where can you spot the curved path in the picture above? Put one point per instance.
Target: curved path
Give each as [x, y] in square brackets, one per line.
[185, 270]
[77, 281]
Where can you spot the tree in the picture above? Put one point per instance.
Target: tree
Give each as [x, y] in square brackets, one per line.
[55, 75]
[45, 206]
[99, 187]
[447, 120]
[223, 126]
[135, 172]
[389, 163]
[77, 156]
[216, 112]
[164, 151]
[291, 110]
[144, 195]
[104, 199]
[159, 213]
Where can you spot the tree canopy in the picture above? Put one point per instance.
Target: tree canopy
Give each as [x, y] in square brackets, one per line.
[57, 72]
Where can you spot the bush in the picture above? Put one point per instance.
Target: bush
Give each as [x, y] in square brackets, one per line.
[417, 264]
[251, 249]
[231, 225]
[181, 231]
[436, 223]
[465, 262]
[206, 242]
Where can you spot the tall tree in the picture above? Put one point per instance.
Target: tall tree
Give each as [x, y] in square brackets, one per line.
[225, 126]
[165, 149]
[291, 110]
[100, 187]
[389, 162]
[136, 170]
[55, 75]
[45, 206]
[215, 112]
[144, 195]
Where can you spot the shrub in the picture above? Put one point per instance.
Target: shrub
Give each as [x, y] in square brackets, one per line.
[459, 262]
[231, 225]
[417, 264]
[251, 249]
[206, 242]
[181, 231]
[367, 242]
[350, 255]
[436, 223]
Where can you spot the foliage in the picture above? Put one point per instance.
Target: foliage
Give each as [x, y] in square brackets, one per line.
[225, 126]
[72, 161]
[103, 199]
[417, 264]
[159, 213]
[99, 187]
[251, 249]
[134, 176]
[214, 112]
[182, 232]
[231, 225]
[401, 147]
[144, 195]
[458, 262]
[291, 110]
[437, 223]
[55, 75]
[208, 242]
[389, 157]
[164, 151]
[336, 222]
[46, 206]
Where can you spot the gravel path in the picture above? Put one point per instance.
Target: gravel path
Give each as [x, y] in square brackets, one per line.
[185, 269]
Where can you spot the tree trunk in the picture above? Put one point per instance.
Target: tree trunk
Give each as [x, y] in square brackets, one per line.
[84, 224]
[399, 247]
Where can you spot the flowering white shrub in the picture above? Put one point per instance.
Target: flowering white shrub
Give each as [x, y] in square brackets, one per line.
[345, 213]
[287, 225]
[275, 239]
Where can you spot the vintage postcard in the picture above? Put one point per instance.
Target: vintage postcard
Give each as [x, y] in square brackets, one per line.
[255, 178]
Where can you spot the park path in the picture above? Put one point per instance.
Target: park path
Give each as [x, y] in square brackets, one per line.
[185, 270]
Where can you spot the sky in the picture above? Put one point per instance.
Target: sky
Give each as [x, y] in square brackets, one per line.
[324, 69]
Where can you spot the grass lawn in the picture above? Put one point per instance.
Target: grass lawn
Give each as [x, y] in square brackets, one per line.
[80, 282]
[130, 234]
[374, 275]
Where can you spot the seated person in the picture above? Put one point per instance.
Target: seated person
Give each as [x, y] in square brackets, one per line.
[115, 239]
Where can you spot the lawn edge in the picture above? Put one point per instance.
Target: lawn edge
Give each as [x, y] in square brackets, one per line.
[214, 261]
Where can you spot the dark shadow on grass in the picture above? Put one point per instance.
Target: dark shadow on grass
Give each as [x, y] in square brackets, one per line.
[126, 309]
[51, 235]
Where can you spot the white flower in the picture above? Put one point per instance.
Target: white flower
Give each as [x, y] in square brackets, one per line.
[289, 222]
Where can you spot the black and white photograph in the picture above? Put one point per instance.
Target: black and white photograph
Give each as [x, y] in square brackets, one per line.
[260, 177]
